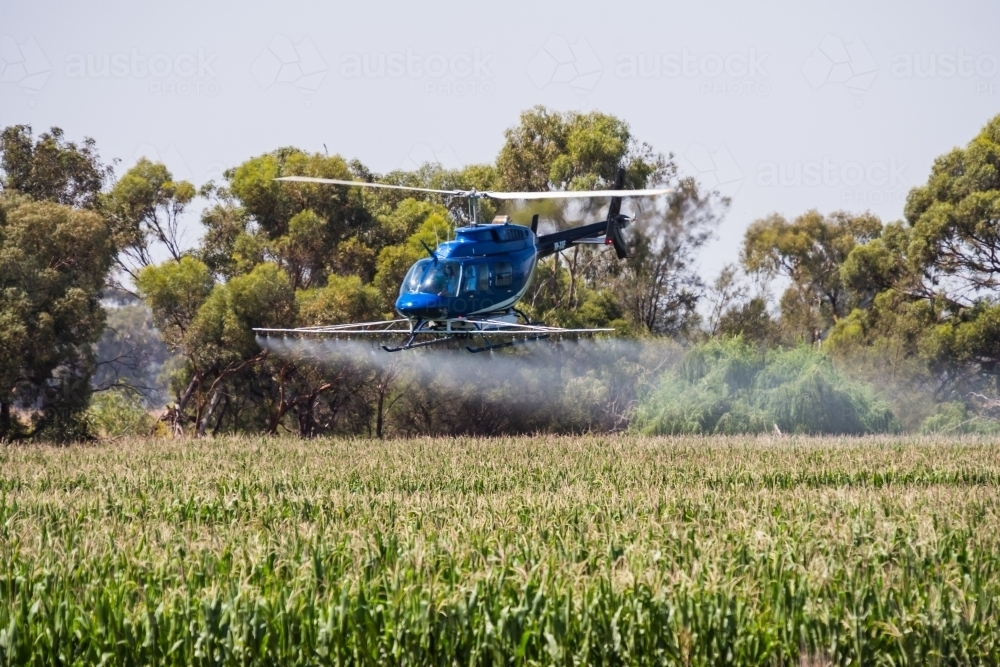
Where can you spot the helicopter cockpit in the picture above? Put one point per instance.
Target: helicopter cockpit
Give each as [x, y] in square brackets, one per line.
[449, 279]
[427, 276]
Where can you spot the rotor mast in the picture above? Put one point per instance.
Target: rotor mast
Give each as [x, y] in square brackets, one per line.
[473, 196]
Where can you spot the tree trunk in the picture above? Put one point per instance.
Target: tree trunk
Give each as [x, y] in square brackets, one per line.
[213, 403]
[178, 425]
[4, 419]
[222, 415]
[275, 420]
[304, 412]
[378, 417]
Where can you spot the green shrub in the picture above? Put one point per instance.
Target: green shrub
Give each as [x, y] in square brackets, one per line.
[955, 418]
[727, 386]
[114, 414]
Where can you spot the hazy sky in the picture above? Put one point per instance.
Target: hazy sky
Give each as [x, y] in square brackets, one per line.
[784, 106]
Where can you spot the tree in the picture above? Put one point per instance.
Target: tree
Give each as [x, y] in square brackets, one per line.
[926, 286]
[658, 287]
[751, 321]
[736, 311]
[175, 291]
[51, 168]
[548, 150]
[211, 325]
[309, 230]
[726, 291]
[53, 264]
[344, 299]
[809, 252]
[145, 207]
[657, 290]
[131, 355]
[221, 340]
[939, 270]
[955, 222]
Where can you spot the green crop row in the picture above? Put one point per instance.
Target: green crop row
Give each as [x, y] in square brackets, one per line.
[676, 551]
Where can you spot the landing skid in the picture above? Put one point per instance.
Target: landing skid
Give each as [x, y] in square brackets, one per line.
[409, 344]
[489, 347]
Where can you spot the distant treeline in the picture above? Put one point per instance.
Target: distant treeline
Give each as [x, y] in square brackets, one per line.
[876, 327]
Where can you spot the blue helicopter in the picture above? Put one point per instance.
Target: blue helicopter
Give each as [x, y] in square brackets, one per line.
[469, 287]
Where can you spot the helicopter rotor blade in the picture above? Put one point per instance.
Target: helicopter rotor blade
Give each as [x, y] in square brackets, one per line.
[364, 184]
[553, 194]
[577, 194]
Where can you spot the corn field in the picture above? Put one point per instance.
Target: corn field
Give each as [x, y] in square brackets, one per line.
[588, 550]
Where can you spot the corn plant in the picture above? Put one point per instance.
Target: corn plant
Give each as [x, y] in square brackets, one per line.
[555, 550]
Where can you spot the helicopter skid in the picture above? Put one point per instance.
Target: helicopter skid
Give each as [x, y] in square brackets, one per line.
[409, 345]
[489, 347]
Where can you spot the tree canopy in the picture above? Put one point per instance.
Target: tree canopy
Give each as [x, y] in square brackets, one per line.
[908, 305]
[53, 263]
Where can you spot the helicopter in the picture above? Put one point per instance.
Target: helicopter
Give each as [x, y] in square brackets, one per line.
[469, 287]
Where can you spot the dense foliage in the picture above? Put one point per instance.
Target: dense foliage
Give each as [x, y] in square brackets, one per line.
[293, 254]
[523, 551]
[55, 253]
[907, 306]
[727, 386]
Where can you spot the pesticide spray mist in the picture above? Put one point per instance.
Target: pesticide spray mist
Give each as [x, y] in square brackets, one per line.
[565, 385]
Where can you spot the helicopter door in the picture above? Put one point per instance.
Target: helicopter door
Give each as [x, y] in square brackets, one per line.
[469, 273]
[475, 278]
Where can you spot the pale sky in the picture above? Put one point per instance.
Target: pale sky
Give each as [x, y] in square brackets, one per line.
[784, 106]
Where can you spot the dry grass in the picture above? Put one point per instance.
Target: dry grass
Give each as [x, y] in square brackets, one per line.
[527, 550]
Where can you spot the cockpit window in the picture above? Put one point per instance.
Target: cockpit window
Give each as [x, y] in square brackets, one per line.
[411, 283]
[430, 277]
[442, 279]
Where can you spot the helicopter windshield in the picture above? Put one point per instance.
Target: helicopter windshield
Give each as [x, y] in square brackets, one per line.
[430, 277]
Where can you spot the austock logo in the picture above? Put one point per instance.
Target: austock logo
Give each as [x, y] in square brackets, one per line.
[714, 170]
[23, 64]
[460, 73]
[184, 74]
[559, 62]
[982, 68]
[285, 62]
[875, 182]
[837, 63]
[737, 73]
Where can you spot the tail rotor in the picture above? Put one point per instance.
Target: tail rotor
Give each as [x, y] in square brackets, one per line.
[616, 221]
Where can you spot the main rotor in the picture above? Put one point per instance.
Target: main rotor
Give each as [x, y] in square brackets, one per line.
[475, 195]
